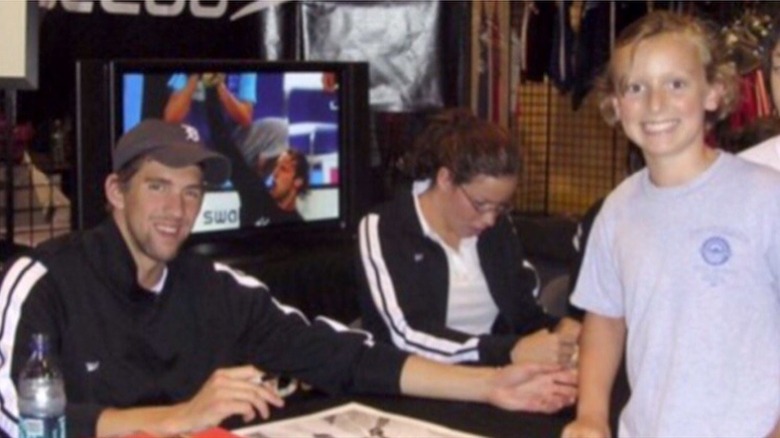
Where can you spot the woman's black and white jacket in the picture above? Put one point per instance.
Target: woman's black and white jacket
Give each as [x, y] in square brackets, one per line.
[404, 285]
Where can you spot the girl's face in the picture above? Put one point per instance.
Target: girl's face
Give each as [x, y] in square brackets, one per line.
[475, 205]
[774, 79]
[663, 95]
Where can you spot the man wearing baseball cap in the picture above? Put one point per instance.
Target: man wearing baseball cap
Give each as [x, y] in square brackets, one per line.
[166, 342]
[172, 144]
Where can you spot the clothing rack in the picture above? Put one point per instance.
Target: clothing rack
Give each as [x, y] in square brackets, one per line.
[571, 157]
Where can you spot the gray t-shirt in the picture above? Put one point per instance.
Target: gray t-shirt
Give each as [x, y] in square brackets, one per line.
[695, 272]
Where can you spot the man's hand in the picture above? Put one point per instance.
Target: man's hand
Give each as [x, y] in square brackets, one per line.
[586, 428]
[545, 347]
[229, 391]
[533, 387]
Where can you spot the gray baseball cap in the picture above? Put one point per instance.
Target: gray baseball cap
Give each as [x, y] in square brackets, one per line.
[172, 144]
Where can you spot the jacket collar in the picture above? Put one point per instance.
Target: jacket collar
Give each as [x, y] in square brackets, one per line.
[110, 258]
[408, 212]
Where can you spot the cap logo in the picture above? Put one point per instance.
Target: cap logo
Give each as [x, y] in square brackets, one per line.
[191, 133]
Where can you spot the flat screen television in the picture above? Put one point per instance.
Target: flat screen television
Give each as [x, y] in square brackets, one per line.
[296, 134]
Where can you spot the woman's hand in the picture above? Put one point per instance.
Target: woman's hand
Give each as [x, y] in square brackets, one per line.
[543, 347]
[533, 388]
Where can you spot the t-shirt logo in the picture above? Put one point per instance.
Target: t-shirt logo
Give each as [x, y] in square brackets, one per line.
[715, 251]
[191, 133]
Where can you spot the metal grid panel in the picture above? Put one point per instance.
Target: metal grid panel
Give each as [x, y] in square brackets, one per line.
[33, 207]
[571, 158]
[39, 209]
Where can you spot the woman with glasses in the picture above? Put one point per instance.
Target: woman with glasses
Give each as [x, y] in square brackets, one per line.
[443, 271]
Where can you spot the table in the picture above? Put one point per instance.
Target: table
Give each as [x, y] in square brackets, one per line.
[476, 418]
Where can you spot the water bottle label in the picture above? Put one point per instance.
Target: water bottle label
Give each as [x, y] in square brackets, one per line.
[42, 427]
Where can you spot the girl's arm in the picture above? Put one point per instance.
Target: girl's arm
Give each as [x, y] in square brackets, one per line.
[601, 350]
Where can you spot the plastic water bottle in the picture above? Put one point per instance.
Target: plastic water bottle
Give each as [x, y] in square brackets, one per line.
[41, 393]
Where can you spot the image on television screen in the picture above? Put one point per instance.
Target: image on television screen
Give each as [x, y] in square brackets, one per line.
[280, 129]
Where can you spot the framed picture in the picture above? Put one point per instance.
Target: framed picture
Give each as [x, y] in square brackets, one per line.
[19, 45]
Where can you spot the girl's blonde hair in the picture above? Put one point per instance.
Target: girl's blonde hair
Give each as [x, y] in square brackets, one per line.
[718, 67]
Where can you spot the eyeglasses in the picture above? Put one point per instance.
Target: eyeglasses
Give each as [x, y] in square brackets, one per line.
[482, 207]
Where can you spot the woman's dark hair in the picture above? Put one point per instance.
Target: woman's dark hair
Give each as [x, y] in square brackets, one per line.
[464, 144]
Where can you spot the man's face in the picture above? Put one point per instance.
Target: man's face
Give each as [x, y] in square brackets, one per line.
[285, 182]
[156, 209]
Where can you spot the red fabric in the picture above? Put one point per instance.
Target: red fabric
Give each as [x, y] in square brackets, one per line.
[762, 97]
[747, 110]
[214, 432]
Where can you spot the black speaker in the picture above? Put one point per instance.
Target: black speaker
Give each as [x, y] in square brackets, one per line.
[358, 118]
[93, 142]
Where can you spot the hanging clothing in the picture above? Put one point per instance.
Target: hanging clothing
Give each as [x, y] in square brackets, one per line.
[763, 100]
[747, 110]
[483, 81]
[537, 39]
[629, 11]
[561, 70]
[495, 68]
[591, 48]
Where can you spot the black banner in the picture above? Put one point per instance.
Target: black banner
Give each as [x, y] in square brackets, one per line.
[132, 29]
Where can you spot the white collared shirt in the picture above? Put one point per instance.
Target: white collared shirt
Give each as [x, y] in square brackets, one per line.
[470, 307]
[157, 288]
[766, 153]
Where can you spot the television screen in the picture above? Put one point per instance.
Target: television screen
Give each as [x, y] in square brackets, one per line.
[295, 133]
